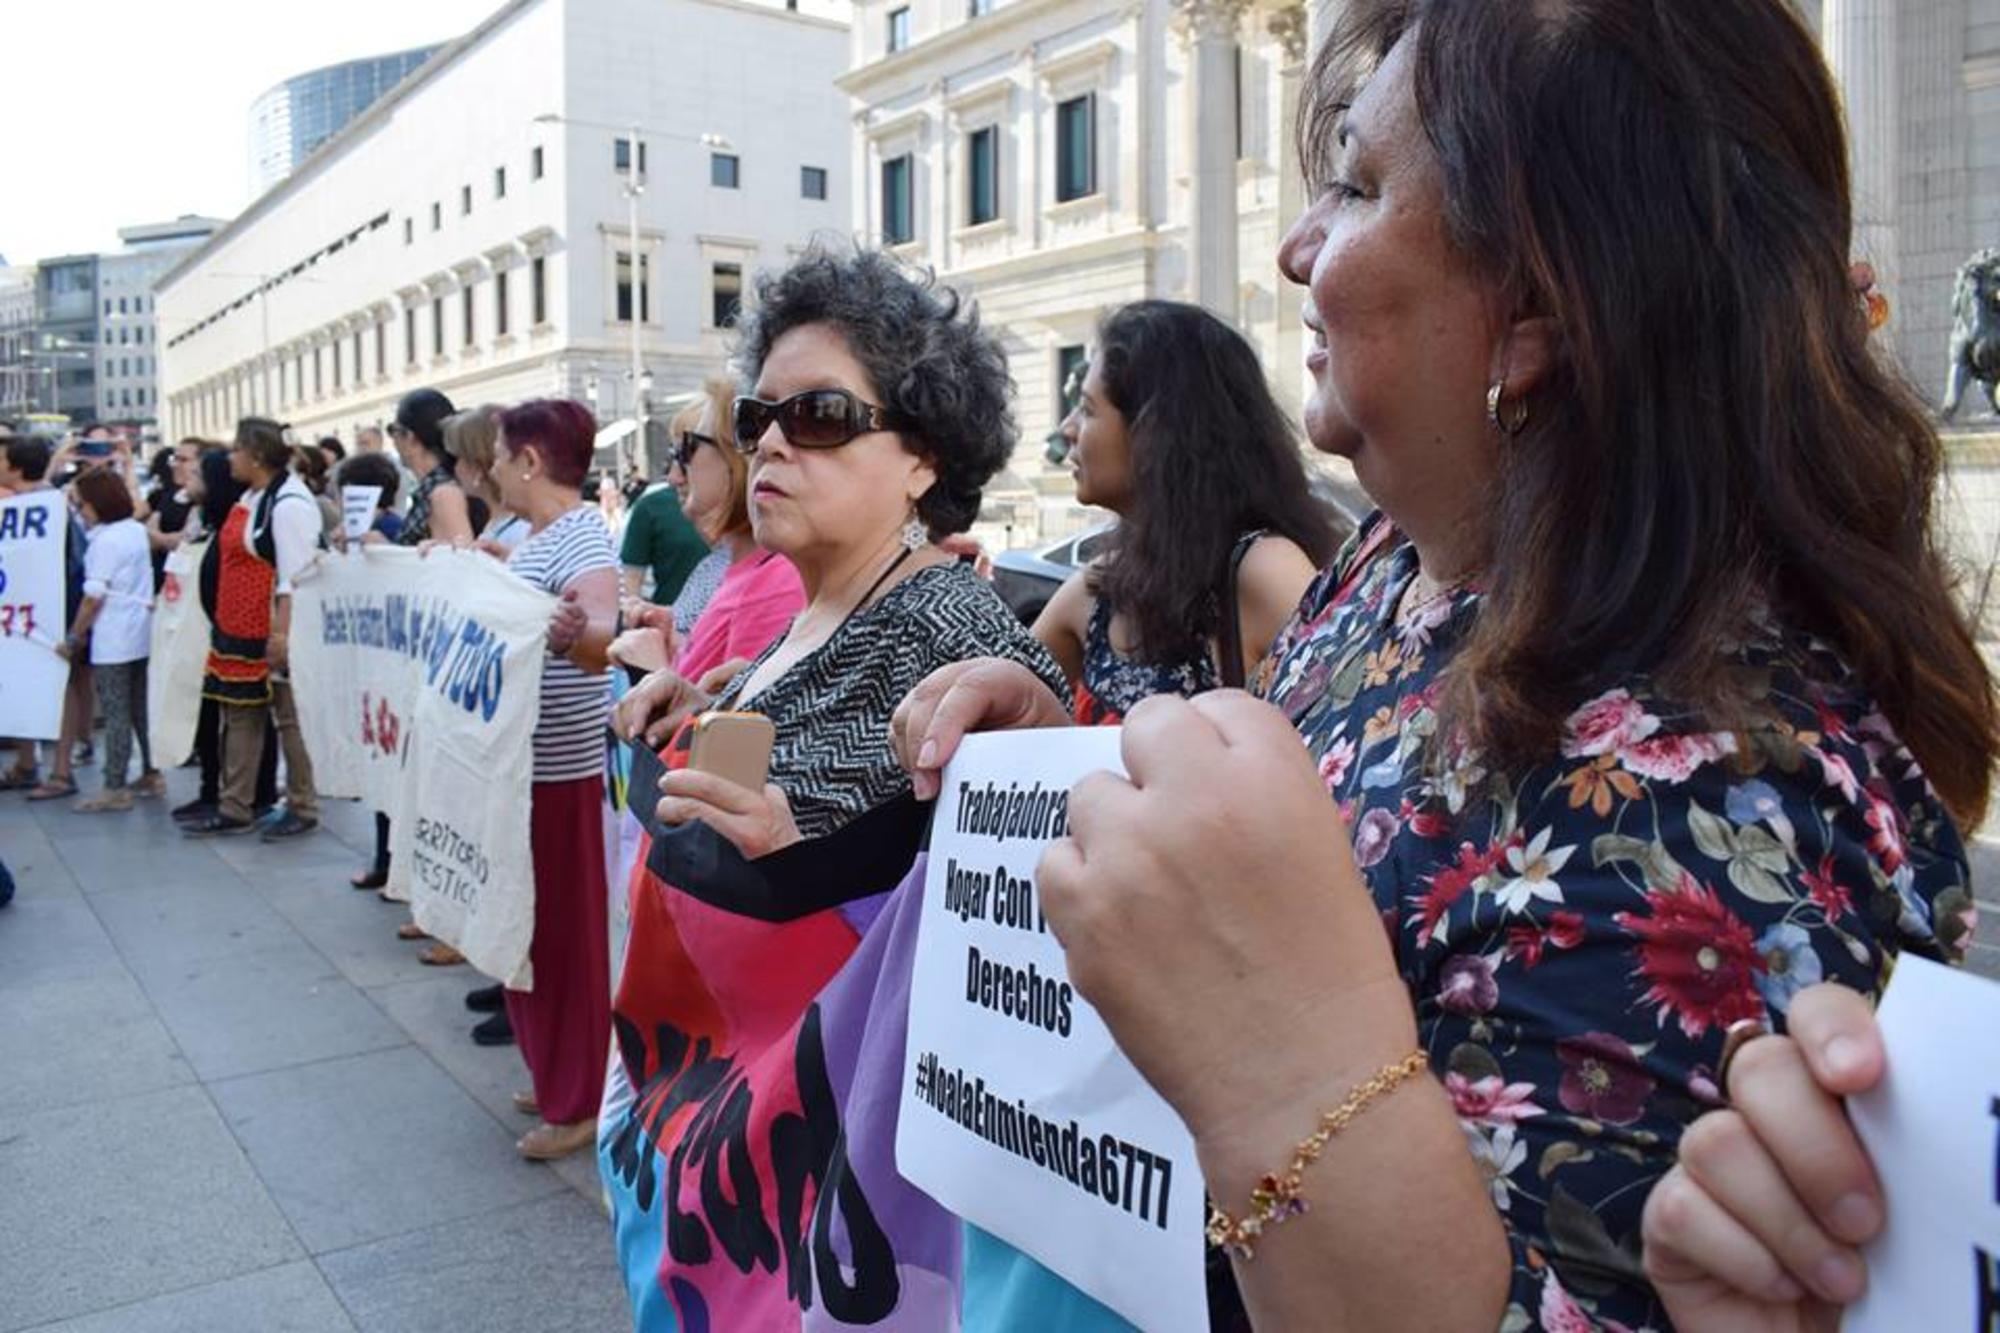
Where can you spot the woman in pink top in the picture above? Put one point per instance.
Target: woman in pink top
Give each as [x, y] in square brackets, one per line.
[760, 591]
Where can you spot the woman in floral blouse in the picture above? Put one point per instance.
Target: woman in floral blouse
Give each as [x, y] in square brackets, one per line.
[1640, 708]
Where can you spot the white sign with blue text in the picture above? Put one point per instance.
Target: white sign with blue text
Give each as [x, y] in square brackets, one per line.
[34, 529]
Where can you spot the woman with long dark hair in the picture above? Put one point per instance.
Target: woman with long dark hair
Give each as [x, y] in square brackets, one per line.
[1176, 432]
[1641, 707]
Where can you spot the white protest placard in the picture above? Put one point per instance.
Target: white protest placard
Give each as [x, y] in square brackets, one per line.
[34, 533]
[1020, 1113]
[357, 510]
[418, 680]
[1932, 1127]
[179, 657]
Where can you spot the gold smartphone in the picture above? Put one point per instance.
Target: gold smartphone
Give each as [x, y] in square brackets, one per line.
[736, 746]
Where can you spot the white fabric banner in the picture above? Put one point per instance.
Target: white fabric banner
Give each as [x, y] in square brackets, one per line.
[179, 658]
[418, 681]
[33, 545]
[1020, 1113]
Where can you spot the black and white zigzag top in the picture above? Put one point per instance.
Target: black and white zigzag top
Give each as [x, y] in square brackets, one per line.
[832, 710]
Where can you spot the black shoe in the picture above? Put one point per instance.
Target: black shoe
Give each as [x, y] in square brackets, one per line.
[494, 1030]
[288, 825]
[217, 825]
[193, 811]
[487, 999]
[374, 877]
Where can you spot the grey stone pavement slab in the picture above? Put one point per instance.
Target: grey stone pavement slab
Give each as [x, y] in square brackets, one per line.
[292, 1298]
[231, 1100]
[520, 1271]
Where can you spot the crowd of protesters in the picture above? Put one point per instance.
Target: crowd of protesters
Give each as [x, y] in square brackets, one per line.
[1654, 555]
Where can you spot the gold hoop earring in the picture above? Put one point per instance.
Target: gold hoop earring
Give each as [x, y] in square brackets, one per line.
[1509, 419]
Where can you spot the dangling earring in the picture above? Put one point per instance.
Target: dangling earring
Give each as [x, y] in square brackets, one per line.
[915, 535]
[1509, 419]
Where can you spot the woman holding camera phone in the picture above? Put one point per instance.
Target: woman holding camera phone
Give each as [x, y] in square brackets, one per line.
[878, 409]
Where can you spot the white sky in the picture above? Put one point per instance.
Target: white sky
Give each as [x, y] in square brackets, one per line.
[129, 111]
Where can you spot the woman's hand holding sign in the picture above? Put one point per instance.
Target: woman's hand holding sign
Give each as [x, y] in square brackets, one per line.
[984, 694]
[1755, 1229]
[1210, 908]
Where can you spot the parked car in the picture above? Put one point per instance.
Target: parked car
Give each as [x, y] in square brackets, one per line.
[1026, 579]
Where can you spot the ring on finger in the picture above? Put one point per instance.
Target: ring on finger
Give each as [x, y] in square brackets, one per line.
[1734, 1038]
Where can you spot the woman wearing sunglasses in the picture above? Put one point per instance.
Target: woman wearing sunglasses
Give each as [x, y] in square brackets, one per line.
[875, 411]
[758, 592]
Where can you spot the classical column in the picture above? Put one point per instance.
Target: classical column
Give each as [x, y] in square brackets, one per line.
[1287, 27]
[1211, 30]
[1859, 37]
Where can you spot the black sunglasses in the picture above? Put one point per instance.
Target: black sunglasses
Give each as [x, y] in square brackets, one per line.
[684, 447]
[815, 419]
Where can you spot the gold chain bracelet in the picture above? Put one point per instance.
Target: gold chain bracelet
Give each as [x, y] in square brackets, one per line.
[1277, 1197]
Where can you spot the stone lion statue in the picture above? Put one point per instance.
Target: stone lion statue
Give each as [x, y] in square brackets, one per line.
[1975, 332]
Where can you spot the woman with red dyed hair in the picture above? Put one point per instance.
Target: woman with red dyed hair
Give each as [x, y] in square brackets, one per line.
[564, 1024]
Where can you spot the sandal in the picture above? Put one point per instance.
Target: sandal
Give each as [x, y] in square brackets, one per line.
[151, 783]
[440, 955]
[109, 800]
[410, 930]
[374, 877]
[525, 1103]
[55, 789]
[17, 778]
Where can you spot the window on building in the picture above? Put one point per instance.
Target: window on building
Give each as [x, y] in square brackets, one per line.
[726, 301]
[624, 263]
[899, 28]
[409, 231]
[898, 210]
[621, 155]
[437, 216]
[336, 367]
[409, 335]
[358, 374]
[538, 290]
[143, 395]
[465, 312]
[1069, 378]
[500, 304]
[975, 9]
[982, 184]
[724, 171]
[107, 303]
[1076, 148]
[381, 347]
[535, 163]
[499, 182]
[121, 306]
[437, 326]
[812, 182]
[464, 199]
[318, 388]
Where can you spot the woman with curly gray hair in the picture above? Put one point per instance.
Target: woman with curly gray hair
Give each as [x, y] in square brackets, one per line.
[875, 410]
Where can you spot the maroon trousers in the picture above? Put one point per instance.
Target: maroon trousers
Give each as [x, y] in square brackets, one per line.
[563, 1025]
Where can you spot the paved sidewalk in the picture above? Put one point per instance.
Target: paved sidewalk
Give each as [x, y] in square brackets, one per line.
[231, 1100]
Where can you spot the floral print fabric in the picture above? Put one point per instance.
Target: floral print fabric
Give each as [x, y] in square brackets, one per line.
[1577, 936]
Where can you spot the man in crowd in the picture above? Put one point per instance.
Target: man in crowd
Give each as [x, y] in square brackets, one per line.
[266, 541]
[659, 541]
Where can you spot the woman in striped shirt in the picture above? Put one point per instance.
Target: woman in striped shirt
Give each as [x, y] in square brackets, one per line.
[564, 1024]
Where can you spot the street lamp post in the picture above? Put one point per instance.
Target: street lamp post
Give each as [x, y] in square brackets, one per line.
[634, 187]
